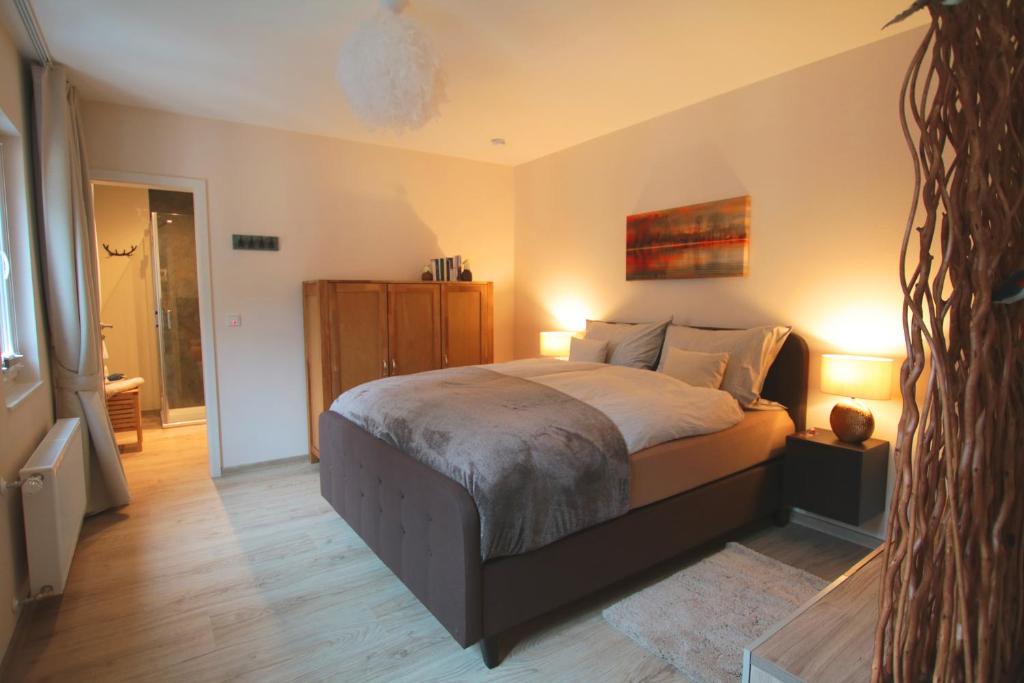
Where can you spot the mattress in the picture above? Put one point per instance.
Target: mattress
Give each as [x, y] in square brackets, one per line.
[673, 467]
[542, 446]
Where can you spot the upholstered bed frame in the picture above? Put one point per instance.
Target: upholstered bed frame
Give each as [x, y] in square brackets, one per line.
[425, 527]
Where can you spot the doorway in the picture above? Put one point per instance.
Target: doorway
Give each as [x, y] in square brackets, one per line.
[153, 251]
[176, 307]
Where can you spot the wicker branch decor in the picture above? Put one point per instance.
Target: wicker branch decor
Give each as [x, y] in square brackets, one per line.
[952, 591]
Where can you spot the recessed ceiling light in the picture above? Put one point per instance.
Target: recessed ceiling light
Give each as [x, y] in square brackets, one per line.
[498, 141]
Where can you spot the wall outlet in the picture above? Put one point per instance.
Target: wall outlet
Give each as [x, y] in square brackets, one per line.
[234, 320]
[255, 242]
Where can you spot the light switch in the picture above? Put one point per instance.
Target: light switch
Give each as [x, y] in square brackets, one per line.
[234, 320]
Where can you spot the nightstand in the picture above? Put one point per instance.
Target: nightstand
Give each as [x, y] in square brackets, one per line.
[843, 481]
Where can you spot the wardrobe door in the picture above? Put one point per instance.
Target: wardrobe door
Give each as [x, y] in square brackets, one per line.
[468, 333]
[414, 328]
[359, 334]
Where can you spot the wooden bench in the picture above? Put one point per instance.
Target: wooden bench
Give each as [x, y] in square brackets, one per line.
[829, 640]
[125, 411]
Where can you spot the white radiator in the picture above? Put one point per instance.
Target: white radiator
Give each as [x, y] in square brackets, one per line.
[53, 498]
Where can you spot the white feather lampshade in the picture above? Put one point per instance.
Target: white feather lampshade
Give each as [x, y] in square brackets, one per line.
[389, 71]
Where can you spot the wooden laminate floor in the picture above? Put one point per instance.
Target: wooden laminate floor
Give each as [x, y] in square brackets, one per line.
[254, 577]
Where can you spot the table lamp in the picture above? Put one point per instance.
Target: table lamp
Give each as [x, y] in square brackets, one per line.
[555, 344]
[858, 377]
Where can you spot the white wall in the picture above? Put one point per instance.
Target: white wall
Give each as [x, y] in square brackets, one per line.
[127, 300]
[820, 152]
[23, 424]
[342, 210]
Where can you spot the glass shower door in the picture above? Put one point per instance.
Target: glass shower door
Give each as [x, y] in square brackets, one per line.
[177, 317]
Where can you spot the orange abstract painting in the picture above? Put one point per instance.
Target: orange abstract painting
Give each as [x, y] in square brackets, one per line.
[700, 240]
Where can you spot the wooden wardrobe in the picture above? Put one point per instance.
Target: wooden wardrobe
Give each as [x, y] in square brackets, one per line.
[357, 331]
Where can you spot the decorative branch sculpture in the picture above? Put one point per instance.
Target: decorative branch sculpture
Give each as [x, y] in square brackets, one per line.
[115, 252]
[952, 598]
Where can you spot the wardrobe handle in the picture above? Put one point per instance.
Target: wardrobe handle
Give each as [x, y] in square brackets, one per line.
[384, 367]
[446, 360]
[394, 367]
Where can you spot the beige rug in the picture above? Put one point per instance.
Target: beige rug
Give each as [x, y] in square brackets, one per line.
[700, 618]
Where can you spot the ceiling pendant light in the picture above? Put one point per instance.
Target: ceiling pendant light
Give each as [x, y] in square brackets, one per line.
[389, 71]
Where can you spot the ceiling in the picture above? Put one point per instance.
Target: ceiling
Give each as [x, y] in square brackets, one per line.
[543, 74]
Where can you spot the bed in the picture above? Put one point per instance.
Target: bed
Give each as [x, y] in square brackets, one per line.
[426, 527]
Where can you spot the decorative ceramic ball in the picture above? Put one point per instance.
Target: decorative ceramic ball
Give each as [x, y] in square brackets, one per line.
[852, 421]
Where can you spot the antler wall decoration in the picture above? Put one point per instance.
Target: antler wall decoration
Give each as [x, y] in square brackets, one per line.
[115, 252]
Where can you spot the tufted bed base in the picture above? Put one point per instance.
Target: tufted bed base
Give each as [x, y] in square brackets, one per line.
[426, 529]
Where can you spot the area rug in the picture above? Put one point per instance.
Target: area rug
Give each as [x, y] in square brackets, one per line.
[700, 618]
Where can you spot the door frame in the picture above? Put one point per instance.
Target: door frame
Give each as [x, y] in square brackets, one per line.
[207, 329]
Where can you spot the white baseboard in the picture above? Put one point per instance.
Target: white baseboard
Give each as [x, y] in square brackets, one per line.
[834, 528]
[291, 459]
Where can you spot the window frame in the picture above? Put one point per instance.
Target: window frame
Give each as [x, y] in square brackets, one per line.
[10, 356]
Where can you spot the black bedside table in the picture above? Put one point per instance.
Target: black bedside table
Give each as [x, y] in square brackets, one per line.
[843, 481]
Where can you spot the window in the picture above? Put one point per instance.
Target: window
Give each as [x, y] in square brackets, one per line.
[8, 321]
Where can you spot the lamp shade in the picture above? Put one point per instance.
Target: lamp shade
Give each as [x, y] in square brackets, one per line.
[555, 344]
[857, 376]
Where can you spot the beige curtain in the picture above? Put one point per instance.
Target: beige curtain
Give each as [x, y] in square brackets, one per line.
[68, 252]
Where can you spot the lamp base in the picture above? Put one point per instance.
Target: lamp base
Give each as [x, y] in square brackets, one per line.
[852, 421]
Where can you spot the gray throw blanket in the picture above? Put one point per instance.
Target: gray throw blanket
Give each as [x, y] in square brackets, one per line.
[539, 464]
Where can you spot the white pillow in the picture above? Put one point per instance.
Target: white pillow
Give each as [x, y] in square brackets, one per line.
[751, 354]
[588, 350]
[695, 368]
[634, 345]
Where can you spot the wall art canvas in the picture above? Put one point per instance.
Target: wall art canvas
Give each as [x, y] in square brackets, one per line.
[700, 240]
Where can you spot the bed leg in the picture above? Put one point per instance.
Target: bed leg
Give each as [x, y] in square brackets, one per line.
[781, 516]
[490, 648]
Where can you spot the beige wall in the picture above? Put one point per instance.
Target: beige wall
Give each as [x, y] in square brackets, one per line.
[820, 152]
[126, 286]
[342, 210]
[818, 149]
[22, 425]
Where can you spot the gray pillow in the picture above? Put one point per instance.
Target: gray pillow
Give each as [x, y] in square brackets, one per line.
[751, 354]
[634, 345]
[694, 367]
[588, 350]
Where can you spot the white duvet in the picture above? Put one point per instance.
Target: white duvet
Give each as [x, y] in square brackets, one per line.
[648, 407]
